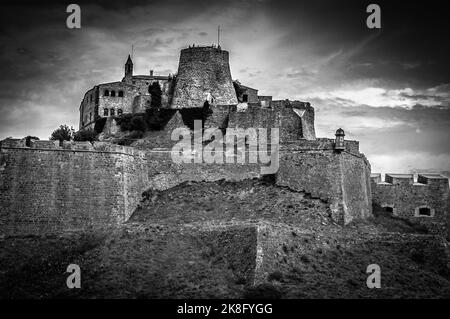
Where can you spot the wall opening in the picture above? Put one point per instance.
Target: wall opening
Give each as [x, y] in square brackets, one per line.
[113, 93]
[106, 93]
[120, 93]
[424, 211]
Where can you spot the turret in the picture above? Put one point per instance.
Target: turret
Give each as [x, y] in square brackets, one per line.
[128, 69]
[203, 73]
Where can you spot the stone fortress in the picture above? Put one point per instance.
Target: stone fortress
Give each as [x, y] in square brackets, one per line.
[46, 186]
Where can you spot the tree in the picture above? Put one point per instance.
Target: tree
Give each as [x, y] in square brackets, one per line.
[63, 133]
[30, 138]
[85, 135]
[156, 93]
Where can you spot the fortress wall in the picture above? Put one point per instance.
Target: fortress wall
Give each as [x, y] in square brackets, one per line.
[203, 70]
[290, 124]
[341, 179]
[164, 173]
[67, 188]
[404, 196]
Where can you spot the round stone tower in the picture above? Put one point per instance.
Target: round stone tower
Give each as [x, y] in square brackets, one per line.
[203, 75]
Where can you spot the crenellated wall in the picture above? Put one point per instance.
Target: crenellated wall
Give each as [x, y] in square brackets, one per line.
[48, 188]
[425, 200]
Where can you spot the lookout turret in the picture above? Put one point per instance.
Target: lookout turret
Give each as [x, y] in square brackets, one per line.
[203, 75]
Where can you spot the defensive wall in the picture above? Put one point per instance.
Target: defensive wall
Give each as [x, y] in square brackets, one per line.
[425, 200]
[46, 188]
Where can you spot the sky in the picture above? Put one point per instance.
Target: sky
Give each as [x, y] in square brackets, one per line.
[389, 88]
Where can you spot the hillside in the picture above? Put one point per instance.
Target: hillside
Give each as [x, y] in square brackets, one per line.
[226, 240]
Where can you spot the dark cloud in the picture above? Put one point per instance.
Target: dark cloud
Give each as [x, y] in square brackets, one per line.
[388, 88]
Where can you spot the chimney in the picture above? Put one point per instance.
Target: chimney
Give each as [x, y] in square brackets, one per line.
[151, 72]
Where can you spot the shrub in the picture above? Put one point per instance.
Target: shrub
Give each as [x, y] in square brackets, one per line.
[132, 122]
[156, 93]
[157, 118]
[130, 138]
[63, 133]
[138, 123]
[99, 125]
[29, 138]
[85, 135]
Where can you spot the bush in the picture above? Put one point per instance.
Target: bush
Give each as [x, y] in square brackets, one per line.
[63, 133]
[157, 118]
[138, 123]
[130, 138]
[99, 125]
[85, 135]
[29, 138]
[156, 93]
[132, 122]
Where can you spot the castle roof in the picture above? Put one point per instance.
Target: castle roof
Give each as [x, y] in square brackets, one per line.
[150, 77]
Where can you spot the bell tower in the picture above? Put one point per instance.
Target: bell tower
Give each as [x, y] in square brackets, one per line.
[128, 69]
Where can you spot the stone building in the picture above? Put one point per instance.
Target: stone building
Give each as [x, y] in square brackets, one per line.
[127, 96]
[203, 76]
[41, 182]
[425, 200]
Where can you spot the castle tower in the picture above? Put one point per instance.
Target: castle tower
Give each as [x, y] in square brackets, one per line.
[128, 69]
[203, 75]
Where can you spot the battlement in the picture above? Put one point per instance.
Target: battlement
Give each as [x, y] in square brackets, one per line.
[408, 179]
[425, 201]
[99, 147]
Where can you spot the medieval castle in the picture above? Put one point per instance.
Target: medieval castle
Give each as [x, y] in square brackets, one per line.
[47, 186]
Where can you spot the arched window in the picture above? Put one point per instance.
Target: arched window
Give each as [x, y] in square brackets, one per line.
[106, 93]
[112, 112]
[120, 93]
[119, 112]
[113, 93]
[105, 112]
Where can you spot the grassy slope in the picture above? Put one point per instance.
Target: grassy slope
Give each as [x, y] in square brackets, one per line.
[189, 257]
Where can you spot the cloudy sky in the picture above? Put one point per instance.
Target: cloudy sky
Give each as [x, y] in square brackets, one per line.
[389, 88]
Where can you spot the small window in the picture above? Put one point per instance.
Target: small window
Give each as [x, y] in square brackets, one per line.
[119, 112]
[105, 112]
[112, 112]
[424, 211]
[120, 93]
[113, 93]
[389, 209]
[245, 98]
[106, 93]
